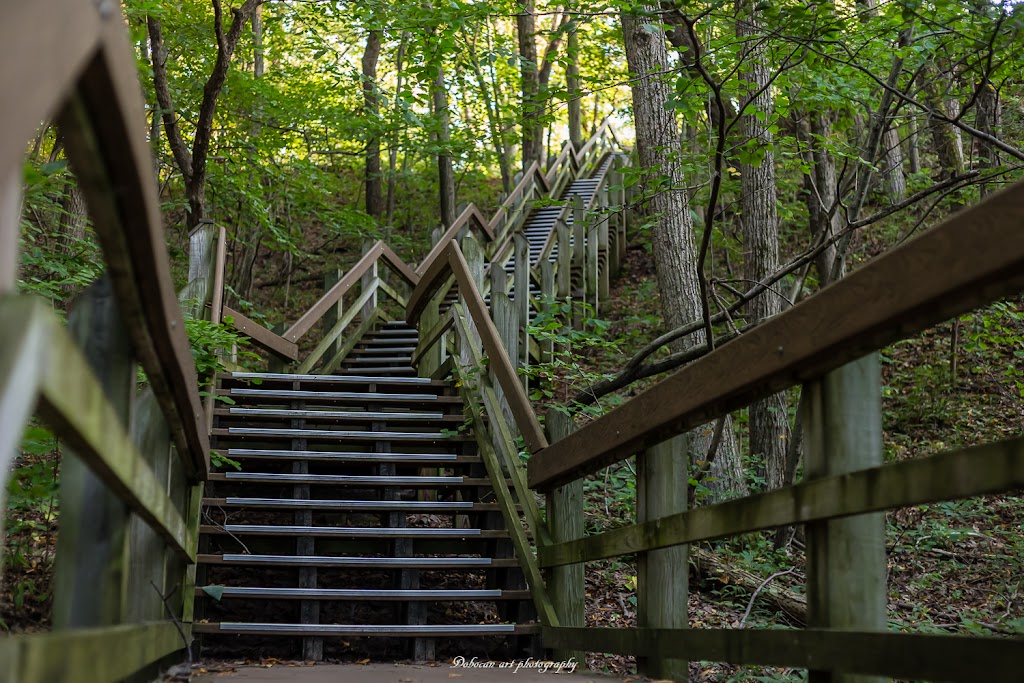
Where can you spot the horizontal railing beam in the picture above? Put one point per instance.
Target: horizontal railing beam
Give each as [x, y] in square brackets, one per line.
[976, 471]
[952, 658]
[973, 258]
[261, 336]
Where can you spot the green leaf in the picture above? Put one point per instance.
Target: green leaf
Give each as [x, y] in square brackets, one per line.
[215, 592]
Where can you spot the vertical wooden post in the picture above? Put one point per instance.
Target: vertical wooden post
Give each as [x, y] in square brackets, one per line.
[564, 275]
[474, 255]
[565, 522]
[219, 264]
[90, 575]
[431, 360]
[604, 261]
[547, 291]
[275, 364]
[579, 251]
[592, 264]
[334, 313]
[506, 320]
[522, 301]
[10, 226]
[367, 280]
[846, 566]
[662, 575]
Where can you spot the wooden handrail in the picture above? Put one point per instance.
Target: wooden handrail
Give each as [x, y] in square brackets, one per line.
[971, 259]
[261, 336]
[470, 213]
[452, 261]
[111, 157]
[317, 311]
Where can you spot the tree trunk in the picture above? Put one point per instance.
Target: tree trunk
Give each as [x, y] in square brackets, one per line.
[446, 176]
[829, 221]
[987, 121]
[945, 139]
[371, 108]
[572, 84]
[760, 222]
[895, 181]
[493, 117]
[393, 147]
[532, 134]
[675, 258]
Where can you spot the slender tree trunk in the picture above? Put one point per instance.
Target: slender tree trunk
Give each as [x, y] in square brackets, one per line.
[987, 121]
[446, 176]
[945, 139]
[825, 195]
[493, 118]
[532, 134]
[572, 83]
[675, 258]
[760, 222]
[895, 181]
[371, 108]
[393, 147]
[913, 146]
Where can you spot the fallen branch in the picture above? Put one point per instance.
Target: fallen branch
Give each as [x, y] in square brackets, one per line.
[709, 566]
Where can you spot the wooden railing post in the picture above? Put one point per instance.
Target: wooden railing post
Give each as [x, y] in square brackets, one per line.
[366, 282]
[522, 301]
[91, 571]
[334, 313]
[592, 279]
[202, 250]
[579, 252]
[565, 523]
[548, 294]
[564, 275]
[846, 565]
[662, 575]
[10, 226]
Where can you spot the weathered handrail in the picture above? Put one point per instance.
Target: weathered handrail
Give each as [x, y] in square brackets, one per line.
[451, 261]
[971, 259]
[132, 471]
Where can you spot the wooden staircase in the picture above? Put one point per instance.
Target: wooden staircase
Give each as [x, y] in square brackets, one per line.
[362, 522]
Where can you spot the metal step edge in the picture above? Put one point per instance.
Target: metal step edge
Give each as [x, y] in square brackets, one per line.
[359, 593]
[330, 433]
[267, 477]
[290, 529]
[336, 414]
[302, 393]
[346, 630]
[371, 562]
[385, 505]
[332, 455]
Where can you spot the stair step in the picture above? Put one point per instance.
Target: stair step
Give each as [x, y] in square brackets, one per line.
[374, 505]
[368, 360]
[398, 630]
[383, 370]
[350, 379]
[358, 562]
[414, 458]
[368, 594]
[360, 396]
[351, 479]
[271, 433]
[378, 350]
[348, 531]
[360, 415]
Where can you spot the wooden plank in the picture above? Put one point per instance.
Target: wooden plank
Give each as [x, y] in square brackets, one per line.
[201, 261]
[72, 402]
[330, 320]
[90, 569]
[220, 263]
[501, 366]
[391, 292]
[72, 35]
[330, 298]
[522, 302]
[662, 575]
[358, 334]
[367, 281]
[470, 216]
[400, 267]
[974, 257]
[330, 340]
[10, 226]
[956, 659]
[95, 655]
[112, 159]
[503, 496]
[261, 336]
[846, 566]
[429, 338]
[566, 585]
[429, 279]
[962, 473]
[470, 353]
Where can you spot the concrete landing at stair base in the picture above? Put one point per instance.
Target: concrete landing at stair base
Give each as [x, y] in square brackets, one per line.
[398, 673]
